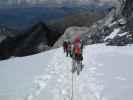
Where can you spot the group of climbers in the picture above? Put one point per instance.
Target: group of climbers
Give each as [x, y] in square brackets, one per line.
[74, 49]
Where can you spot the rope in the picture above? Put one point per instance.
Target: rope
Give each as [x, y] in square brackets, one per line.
[72, 88]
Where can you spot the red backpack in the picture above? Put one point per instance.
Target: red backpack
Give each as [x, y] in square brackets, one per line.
[77, 50]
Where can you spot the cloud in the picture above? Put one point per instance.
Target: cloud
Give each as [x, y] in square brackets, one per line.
[52, 2]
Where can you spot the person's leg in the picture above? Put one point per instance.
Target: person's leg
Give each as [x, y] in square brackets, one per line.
[81, 58]
[78, 67]
[70, 53]
[65, 49]
[81, 65]
[67, 52]
[73, 66]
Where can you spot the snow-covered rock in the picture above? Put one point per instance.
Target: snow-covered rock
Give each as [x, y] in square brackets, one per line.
[122, 21]
[121, 39]
[113, 34]
[71, 33]
[123, 34]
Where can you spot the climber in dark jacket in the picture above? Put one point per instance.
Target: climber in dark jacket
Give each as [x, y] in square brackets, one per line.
[65, 47]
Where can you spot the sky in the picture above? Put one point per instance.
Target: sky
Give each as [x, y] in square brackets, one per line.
[50, 2]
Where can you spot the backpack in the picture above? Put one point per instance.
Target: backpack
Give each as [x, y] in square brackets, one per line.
[77, 50]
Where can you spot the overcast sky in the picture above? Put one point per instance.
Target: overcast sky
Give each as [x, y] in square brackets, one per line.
[51, 2]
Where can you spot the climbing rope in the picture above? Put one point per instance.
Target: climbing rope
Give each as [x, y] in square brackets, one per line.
[72, 88]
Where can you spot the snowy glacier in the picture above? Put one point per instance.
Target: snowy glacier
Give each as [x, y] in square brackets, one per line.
[107, 75]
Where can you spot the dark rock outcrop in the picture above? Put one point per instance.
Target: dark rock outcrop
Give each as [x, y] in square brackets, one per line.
[36, 39]
[32, 39]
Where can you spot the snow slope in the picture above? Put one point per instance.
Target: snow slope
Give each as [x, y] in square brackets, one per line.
[107, 75]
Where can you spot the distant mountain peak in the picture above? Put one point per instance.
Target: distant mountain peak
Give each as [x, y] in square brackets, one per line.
[40, 26]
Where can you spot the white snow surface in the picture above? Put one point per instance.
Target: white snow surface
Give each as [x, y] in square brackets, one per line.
[113, 34]
[107, 75]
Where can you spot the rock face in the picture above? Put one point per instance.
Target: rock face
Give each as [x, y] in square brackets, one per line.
[115, 29]
[7, 32]
[34, 41]
[121, 17]
[127, 13]
[38, 38]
